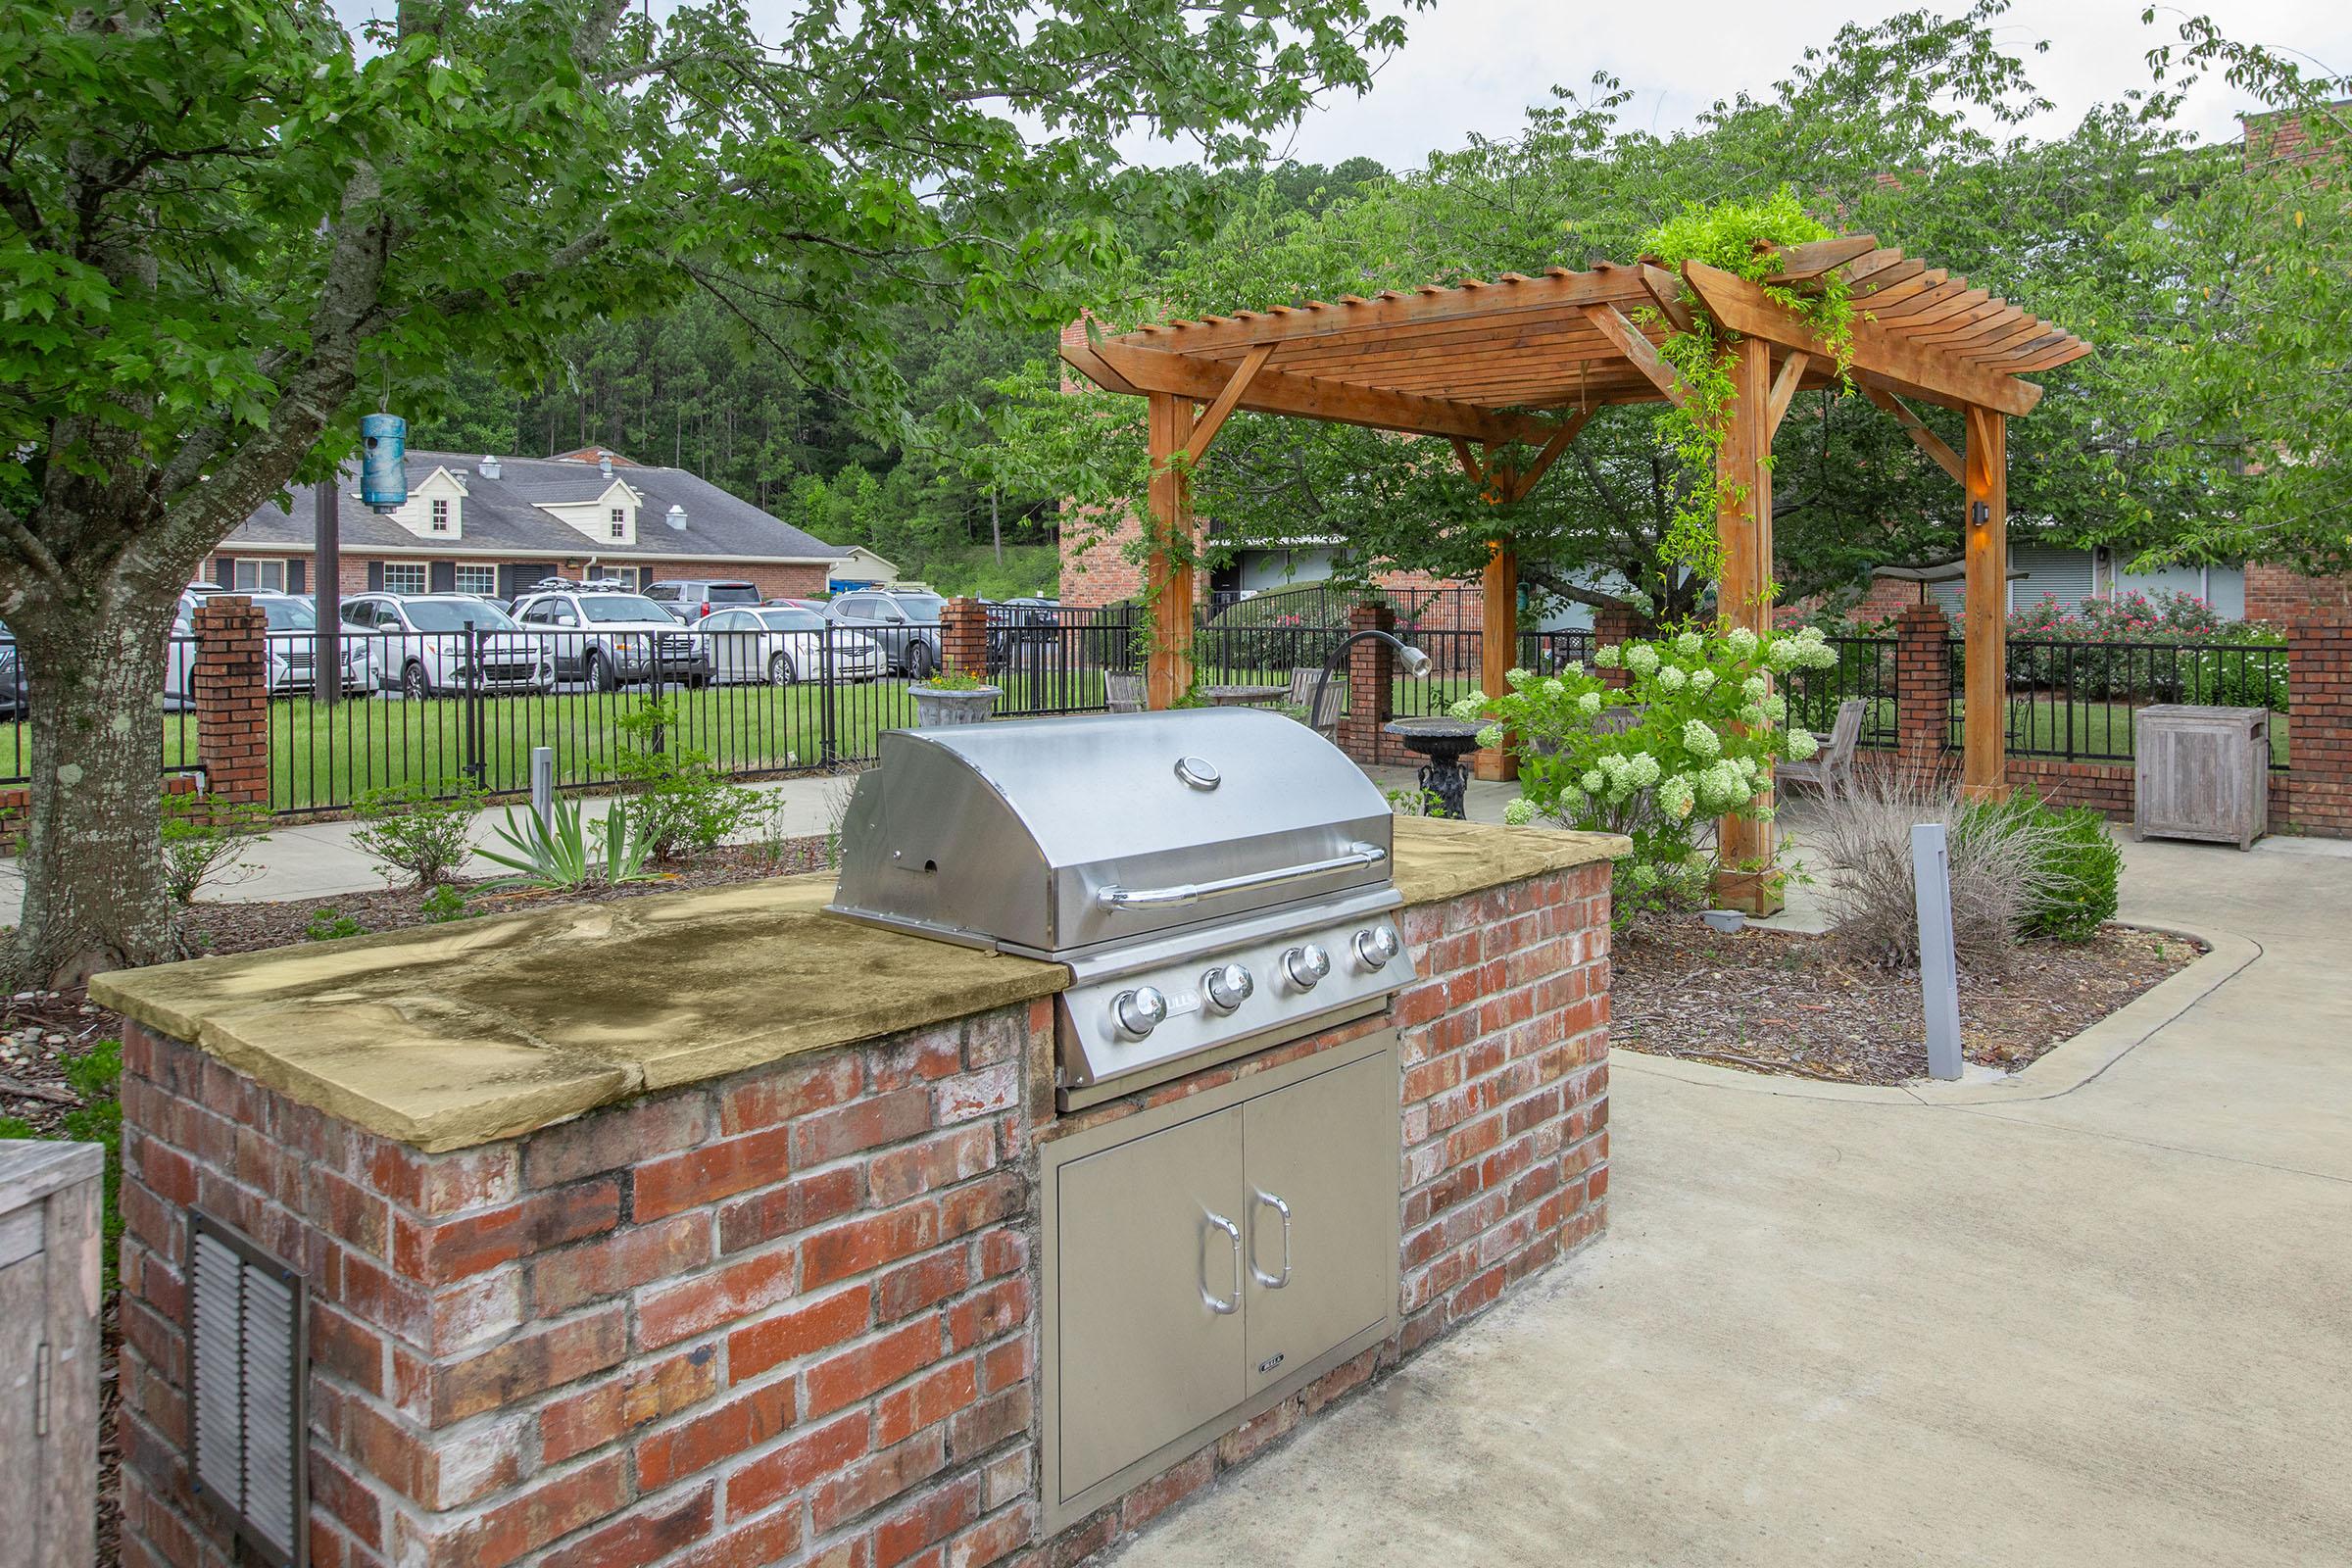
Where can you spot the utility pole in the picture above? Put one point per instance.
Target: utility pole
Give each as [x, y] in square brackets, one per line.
[326, 598]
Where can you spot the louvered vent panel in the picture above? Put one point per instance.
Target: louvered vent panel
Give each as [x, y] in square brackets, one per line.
[246, 1346]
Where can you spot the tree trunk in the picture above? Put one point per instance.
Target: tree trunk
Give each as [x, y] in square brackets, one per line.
[93, 884]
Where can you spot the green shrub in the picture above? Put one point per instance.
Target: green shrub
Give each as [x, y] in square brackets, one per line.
[204, 840]
[444, 904]
[332, 925]
[685, 807]
[2075, 891]
[419, 830]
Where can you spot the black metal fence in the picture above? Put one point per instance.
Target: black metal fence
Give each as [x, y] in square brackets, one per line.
[176, 739]
[1865, 670]
[2080, 701]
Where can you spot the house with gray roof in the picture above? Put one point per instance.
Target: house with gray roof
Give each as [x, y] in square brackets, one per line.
[495, 525]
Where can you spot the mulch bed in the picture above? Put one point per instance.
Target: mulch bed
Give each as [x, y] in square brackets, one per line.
[40, 1029]
[1784, 1002]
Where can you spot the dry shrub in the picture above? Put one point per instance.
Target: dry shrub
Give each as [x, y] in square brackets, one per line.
[1864, 836]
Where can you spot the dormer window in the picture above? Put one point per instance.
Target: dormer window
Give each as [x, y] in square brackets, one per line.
[621, 523]
[440, 517]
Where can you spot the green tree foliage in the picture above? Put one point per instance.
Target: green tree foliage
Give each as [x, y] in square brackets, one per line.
[2213, 290]
[228, 227]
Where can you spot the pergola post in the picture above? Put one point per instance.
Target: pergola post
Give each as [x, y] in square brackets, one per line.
[1984, 762]
[1743, 536]
[1168, 668]
[1497, 647]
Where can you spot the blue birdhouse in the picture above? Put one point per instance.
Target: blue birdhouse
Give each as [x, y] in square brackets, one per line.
[384, 460]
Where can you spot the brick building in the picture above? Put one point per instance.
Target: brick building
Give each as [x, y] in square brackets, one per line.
[496, 525]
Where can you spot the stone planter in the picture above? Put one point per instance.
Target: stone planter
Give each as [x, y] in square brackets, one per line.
[936, 706]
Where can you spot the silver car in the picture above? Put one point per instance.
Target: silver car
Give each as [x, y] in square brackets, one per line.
[781, 645]
[416, 645]
[291, 642]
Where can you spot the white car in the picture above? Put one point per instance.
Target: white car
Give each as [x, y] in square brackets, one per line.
[781, 645]
[292, 643]
[414, 644]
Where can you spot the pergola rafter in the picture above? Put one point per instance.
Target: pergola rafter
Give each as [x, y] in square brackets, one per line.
[1525, 360]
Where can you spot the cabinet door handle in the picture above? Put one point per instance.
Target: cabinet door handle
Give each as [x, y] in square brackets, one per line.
[1233, 1303]
[1272, 1282]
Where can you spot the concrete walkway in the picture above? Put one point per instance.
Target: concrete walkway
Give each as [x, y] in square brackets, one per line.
[2109, 1326]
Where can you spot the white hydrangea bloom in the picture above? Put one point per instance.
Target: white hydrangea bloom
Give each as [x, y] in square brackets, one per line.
[1593, 782]
[1608, 658]
[1645, 875]
[1473, 705]
[1641, 770]
[1752, 716]
[1589, 703]
[1641, 658]
[1701, 740]
[1672, 678]
[1574, 666]
[1742, 640]
[1703, 680]
[1518, 677]
[1802, 745]
[1491, 736]
[1554, 689]
[1519, 812]
[1677, 795]
[1765, 813]
[1754, 687]
[1689, 642]
[1775, 706]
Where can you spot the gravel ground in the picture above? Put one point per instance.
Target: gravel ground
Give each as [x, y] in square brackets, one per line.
[1780, 1001]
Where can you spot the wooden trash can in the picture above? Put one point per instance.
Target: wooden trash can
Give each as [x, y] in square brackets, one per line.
[2202, 773]
[49, 1255]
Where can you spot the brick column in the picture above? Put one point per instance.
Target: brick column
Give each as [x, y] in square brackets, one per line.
[1611, 626]
[963, 635]
[2319, 681]
[231, 685]
[1923, 687]
[1371, 686]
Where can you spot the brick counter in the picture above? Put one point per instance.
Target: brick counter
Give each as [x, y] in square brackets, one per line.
[788, 1315]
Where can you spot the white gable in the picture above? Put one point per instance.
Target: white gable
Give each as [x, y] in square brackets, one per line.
[435, 509]
[609, 520]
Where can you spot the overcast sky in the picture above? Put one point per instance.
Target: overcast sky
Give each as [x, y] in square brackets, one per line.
[1474, 65]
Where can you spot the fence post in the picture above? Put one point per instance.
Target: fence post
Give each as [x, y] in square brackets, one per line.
[829, 721]
[229, 680]
[1371, 684]
[963, 636]
[470, 720]
[2319, 720]
[1922, 688]
[1613, 624]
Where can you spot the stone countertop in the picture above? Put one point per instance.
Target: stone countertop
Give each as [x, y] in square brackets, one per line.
[448, 1035]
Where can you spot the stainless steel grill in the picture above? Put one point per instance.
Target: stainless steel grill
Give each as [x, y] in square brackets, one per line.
[1215, 879]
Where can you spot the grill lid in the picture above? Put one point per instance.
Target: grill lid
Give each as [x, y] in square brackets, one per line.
[1049, 835]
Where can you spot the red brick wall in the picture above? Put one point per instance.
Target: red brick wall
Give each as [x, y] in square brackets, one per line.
[2280, 597]
[1371, 689]
[1923, 686]
[785, 1313]
[789, 1317]
[963, 635]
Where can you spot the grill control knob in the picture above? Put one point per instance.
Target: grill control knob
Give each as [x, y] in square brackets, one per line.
[1307, 966]
[1374, 948]
[1138, 1011]
[1227, 986]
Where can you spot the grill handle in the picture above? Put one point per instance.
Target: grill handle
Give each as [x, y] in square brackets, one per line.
[1115, 897]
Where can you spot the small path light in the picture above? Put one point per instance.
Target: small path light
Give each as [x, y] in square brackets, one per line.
[1938, 964]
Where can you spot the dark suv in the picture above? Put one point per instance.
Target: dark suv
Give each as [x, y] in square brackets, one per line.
[690, 599]
[905, 624]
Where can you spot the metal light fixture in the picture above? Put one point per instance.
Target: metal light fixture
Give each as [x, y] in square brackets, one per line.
[1980, 512]
[1412, 661]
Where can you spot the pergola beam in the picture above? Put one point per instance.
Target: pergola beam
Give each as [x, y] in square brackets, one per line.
[1743, 307]
[1638, 349]
[1212, 419]
[1925, 439]
[1273, 392]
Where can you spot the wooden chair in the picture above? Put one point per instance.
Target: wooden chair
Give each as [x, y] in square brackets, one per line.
[1325, 720]
[1831, 768]
[1124, 692]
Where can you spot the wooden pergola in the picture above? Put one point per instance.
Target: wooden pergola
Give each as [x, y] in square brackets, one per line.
[1524, 362]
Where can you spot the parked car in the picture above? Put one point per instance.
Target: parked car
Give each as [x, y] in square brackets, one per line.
[906, 624]
[784, 645]
[416, 645]
[690, 599]
[1015, 623]
[293, 643]
[15, 701]
[612, 637]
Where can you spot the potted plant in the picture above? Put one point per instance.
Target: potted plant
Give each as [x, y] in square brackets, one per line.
[953, 697]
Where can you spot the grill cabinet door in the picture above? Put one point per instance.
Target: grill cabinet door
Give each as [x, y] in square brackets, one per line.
[1144, 1357]
[1327, 1147]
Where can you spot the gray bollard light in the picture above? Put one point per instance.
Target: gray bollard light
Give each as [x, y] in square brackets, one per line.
[1938, 964]
[543, 786]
